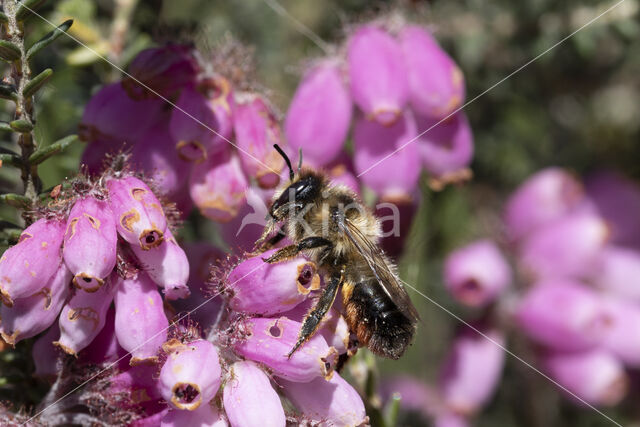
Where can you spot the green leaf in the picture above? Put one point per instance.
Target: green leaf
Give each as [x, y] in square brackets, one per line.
[36, 83]
[26, 7]
[8, 91]
[21, 126]
[49, 38]
[44, 153]
[15, 200]
[9, 159]
[9, 51]
[5, 126]
[10, 236]
[3, 18]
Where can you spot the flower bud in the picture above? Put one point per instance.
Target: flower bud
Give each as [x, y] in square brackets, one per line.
[139, 215]
[27, 267]
[163, 70]
[218, 186]
[622, 338]
[205, 415]
[564, 315]
[332, 402]
[618, 271]
[90, 243]
[445, 147]
[477, 273]
[167, 265]
[375, 155]
[141, 325]
[257, 130]
[194, 127]
[83, 317]
[33, 314]
[544, 197]
[594, 376]
[270, 341]
[319, 116]
[377, 74]
[472, 371]
[567, 248]
[267, 289]
[249, 399]
[46, 356]
[436, 84]
[190, 376]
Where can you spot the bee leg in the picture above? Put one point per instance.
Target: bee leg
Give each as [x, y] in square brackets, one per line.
[262, 245]
[292, 250]
[317, 313]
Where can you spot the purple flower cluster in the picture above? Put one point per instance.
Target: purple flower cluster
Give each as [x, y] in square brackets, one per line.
[576, 255]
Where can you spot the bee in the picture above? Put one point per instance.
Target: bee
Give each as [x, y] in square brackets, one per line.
[340, 234]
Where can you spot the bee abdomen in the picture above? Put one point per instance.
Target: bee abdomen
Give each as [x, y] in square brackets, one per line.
[377, 321]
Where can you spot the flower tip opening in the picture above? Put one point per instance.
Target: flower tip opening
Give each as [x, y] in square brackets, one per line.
[186, 396]
[65, 348]
[191, 151]
[87, 282]
[151, 238]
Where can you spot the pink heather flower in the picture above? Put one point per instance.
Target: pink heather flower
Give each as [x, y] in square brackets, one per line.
[112, 118]
[243, 230]
[618, 271]
[83, 317]
[436, 84]
[90, 243]
[205, 415]
[220, 95]
[164, 70]
[105, 347]
[568, 247]
[594, 376]
[141, 325]
[617, 199]
[249, 399]
[192, 127]
[218, 186]
[319, 115]
[257, 130]
[27, 267]
[543, 198]
[564, 315]
[329, 402]
[396, 216]
[267, 289]
[472, 370]
[33, 314]
[152, 420]
[167, 265]
[45, 355]
[333, 327]
[477, 273]
[139, 215]
[447, 147]
[269, 341]
[190, 376]
[138, 382]
[377, 73]
[373, 143]
[622, 338]
[450, 419]
[155, 154]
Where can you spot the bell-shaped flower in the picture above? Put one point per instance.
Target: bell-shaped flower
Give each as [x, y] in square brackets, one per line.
[243, 230]
[139, 216]
[206, 415]
[105, 347]
[622, 338]
[543, 198]
[218, 186]
[167, 265]
[190, 377]
[379, 149]
[564, 315]
[477, 273]
[319, 115]
[83, 317]
[220, 94]
[33, 314]
[249, 399]
[472, 370]
[138, 382]
[617, 270]
[90, 243]
[329, 402]
[267, 289]
[257, 130]
[160, 71]
[141, 325]
[46, 356]
[27, 267]
[269, 341]
[377, 74]
[436, 84]
[594, 376]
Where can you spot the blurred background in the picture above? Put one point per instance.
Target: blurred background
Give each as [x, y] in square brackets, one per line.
[576, 107]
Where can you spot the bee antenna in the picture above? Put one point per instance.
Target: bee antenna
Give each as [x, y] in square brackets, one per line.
[300, 159]
[286, 159]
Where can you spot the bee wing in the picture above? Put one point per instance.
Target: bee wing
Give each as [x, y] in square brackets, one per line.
[379, 265]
